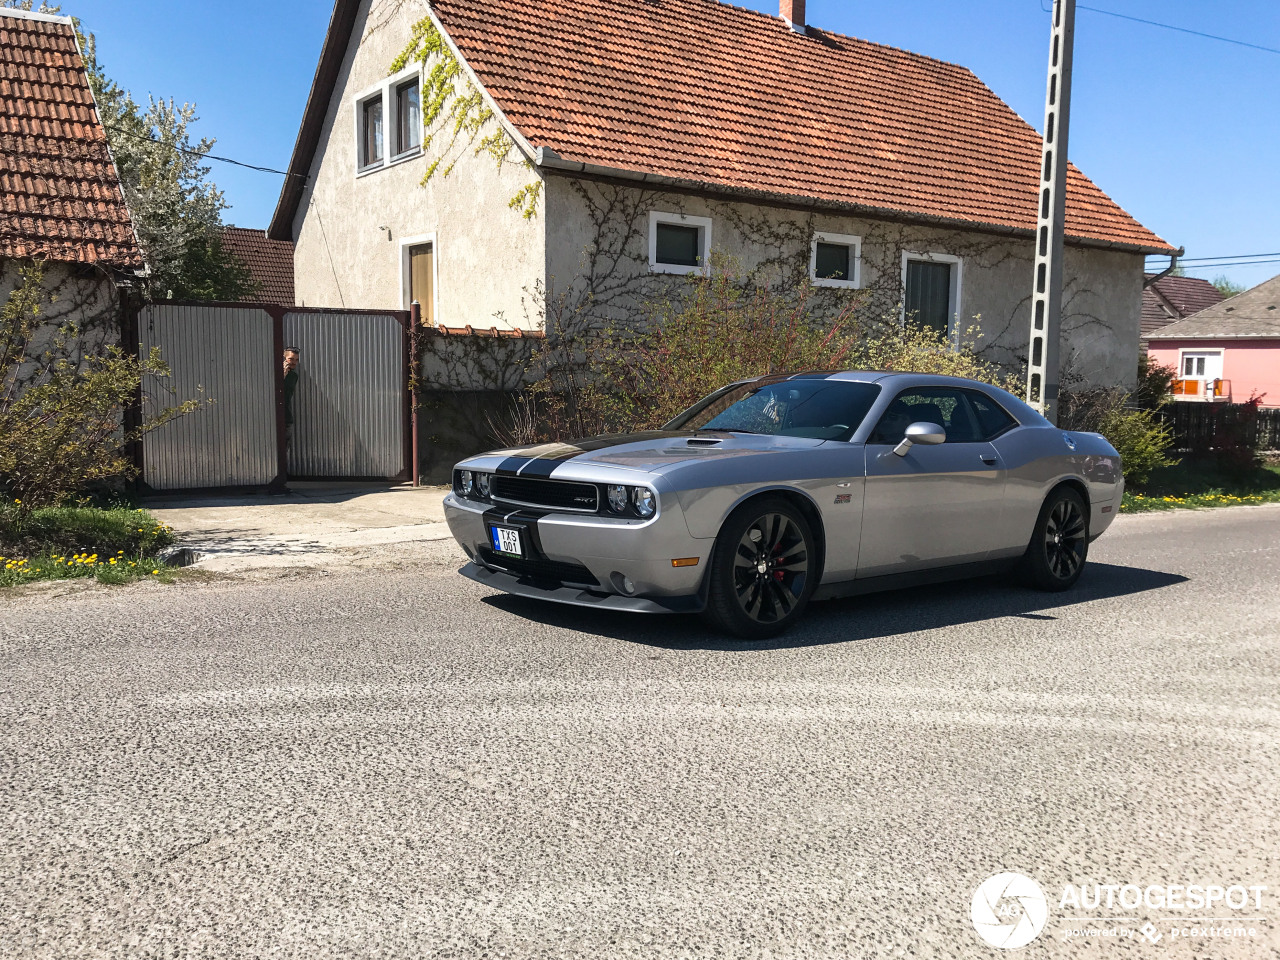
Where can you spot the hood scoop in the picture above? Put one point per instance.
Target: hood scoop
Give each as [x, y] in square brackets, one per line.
[704, 441]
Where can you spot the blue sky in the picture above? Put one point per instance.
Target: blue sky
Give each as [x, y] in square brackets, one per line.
[1182, 131]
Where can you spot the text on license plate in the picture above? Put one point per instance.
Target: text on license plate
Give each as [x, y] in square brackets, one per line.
[506, 540]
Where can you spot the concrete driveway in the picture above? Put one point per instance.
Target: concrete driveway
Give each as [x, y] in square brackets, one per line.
[397, 763]
[315, 524]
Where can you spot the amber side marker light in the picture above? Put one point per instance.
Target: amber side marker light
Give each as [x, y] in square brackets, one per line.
[685, 562]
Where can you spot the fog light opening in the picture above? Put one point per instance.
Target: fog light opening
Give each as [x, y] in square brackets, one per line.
[623, 583]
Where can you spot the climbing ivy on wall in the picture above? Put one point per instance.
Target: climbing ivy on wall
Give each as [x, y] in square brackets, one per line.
[454, 111]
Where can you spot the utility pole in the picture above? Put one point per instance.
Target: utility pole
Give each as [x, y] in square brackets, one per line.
[1046, 300]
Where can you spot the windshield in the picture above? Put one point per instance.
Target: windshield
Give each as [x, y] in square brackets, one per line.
[815, 409]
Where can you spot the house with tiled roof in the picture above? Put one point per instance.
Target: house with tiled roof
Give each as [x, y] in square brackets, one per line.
[533, 156]
[61, 202]
[269, 263]
[1166, 299]
[1229, 351]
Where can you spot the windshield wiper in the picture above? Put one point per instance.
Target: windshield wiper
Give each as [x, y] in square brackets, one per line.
[725, 430]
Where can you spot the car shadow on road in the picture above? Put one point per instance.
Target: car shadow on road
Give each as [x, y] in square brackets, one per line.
[868, 617]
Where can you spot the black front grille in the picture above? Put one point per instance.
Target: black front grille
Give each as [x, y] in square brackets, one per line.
[547, 571]
[555, 494]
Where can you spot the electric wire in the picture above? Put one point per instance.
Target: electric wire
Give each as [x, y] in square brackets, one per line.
[202, 156]
[1170, 26]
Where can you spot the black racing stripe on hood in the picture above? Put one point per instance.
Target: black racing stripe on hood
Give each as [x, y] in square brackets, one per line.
[511, 466]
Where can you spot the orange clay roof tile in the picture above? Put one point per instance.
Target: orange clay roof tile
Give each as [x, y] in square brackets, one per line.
[60, 197]
[702, 91]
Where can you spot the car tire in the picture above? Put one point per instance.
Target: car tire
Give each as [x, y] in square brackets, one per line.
[763, 570]
[1059, 545]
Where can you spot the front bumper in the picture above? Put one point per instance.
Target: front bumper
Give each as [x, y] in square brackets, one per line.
[586, 559]
[578, 596]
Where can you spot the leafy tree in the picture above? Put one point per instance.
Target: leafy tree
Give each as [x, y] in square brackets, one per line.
[1227, 287]
[176, 208]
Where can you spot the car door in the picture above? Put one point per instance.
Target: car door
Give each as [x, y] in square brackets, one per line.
[937, 505]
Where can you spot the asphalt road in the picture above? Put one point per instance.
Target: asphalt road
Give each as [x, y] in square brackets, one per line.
[396, 763]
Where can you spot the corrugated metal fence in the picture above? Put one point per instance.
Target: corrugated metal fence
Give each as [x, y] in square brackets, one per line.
[350, 406]
[226, 357]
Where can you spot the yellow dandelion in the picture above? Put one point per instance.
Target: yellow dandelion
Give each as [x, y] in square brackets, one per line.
[155, 571]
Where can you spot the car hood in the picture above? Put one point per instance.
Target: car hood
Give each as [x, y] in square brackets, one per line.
[655, 451]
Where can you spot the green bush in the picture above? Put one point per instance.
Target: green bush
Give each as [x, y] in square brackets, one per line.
[606, 379]
[62, 414]
[1141, 438]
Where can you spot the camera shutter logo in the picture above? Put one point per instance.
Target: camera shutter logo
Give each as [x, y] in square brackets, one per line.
[1009, 910]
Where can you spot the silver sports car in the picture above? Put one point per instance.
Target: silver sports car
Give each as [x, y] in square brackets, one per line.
[777, 491]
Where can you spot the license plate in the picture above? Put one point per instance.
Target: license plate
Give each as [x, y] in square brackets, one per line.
[507, 540]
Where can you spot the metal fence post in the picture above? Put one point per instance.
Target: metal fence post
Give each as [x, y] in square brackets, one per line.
[415, 318]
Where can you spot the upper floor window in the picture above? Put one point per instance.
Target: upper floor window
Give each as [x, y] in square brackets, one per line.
[371, 132]
[835, 260]
[408, 117]
[389, 122]
[679, 243]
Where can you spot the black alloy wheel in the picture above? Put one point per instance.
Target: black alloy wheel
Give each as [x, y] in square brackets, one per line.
[762, 570]
[1056, 555]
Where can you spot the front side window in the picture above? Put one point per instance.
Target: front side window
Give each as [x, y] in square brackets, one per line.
[817, 409]
[408, 117]
[371, 132]
[947, 407]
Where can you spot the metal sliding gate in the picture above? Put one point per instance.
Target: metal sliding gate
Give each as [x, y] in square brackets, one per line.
[350, 406]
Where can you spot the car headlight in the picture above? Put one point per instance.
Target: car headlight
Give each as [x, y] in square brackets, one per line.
[465, 482]
[644, 500]
[482, 484]
[619, 496]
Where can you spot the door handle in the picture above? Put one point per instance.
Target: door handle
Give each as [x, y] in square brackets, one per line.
[990, 461]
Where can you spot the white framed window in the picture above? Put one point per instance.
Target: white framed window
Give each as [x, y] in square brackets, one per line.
[1200, 364]
[835, 260]
[389, 122]
[932, 288]
[370, 132]
[419, 275]
[406, 97]
[679, 243]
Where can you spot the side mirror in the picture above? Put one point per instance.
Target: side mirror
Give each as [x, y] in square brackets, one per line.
[929, 434]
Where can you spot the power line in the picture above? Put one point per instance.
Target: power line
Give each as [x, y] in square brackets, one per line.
[1170, 26]
[1235, 256]
[202, 156]
[1219, 266]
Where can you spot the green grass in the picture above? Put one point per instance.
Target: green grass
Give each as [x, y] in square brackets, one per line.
[110, 545]
[1192, 484]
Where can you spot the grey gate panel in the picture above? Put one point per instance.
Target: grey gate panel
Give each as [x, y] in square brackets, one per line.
[224, 355]
[349, 405]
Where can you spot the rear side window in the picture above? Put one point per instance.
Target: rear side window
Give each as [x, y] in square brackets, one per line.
[992, 419]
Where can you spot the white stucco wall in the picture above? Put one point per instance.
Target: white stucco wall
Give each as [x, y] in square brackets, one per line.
[1102, 301]
[349, 229]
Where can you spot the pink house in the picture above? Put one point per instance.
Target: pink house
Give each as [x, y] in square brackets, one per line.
[1227, 352]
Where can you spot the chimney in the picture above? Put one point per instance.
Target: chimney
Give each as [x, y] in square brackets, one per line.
[792, 11]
